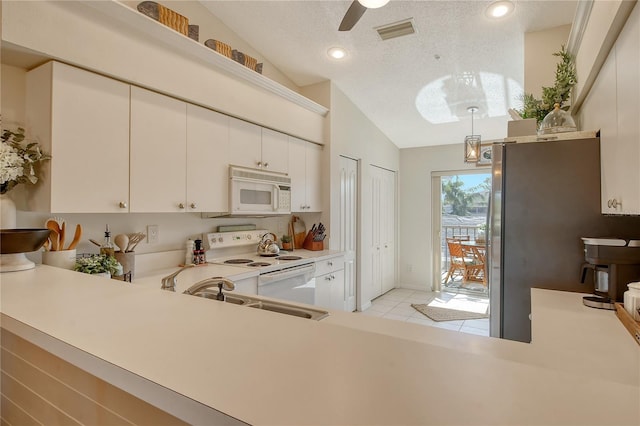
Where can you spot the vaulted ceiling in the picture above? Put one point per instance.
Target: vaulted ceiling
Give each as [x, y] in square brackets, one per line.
[416, 89]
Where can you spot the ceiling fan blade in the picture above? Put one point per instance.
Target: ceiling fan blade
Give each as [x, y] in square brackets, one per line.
[353, 15]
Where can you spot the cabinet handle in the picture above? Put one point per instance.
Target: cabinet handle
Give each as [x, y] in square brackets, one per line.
[259, 163]
[327, 278]
[194, 206]
[333, 277]
[266, 165]
[123, 205]
[181, 206]
[330, 263]
[615, 203]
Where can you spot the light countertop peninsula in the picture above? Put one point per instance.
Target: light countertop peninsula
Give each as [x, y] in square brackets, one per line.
[212, 363]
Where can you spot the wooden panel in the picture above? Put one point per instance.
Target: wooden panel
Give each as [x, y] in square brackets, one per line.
[14, 415]
[44, 384]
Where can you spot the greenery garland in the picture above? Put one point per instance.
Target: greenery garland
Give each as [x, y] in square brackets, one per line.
[559, 93]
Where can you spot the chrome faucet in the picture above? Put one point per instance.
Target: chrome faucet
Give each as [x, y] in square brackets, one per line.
[169, 282]
[220, 282]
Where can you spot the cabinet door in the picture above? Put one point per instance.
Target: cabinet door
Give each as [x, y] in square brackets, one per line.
[323, 291]
[313, 172]
[337, 290]
[245, 144]
[275, 151]
[297, 173]
[627, 166]
[89, 141]
[207, 160]
[158, 152]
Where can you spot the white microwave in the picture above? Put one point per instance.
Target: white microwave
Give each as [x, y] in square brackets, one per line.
[258, 192]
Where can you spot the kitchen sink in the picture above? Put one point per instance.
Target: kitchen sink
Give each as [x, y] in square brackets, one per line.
[266, 305]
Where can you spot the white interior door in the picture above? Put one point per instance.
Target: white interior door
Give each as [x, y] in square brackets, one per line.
[348, 227]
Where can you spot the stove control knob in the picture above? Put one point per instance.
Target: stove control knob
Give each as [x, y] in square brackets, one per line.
[220, 239]
[248, 236]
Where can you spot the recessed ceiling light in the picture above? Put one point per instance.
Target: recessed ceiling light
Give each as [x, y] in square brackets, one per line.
[373, 4]
[337, 53]
[499, 9]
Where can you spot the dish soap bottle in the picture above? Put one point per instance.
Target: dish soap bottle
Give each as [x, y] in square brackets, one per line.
[107, 246]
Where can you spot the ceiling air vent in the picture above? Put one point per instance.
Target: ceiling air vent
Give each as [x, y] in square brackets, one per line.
[397, 29]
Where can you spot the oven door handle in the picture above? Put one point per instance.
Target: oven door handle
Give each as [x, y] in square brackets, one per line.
[270, 277]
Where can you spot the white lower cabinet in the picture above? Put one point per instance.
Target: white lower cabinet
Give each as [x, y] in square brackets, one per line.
[330, 284]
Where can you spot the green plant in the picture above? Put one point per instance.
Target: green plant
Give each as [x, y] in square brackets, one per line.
[96, 264]
[559, 93]
[286, 239]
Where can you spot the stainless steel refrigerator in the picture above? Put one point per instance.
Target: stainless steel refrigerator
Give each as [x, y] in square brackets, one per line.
[545, 197]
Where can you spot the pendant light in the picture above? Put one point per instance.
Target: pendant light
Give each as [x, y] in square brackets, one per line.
[472, 142]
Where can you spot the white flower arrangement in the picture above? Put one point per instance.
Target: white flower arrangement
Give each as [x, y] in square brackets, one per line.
[17, 162]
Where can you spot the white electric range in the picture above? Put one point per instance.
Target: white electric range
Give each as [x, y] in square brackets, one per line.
[284, 276]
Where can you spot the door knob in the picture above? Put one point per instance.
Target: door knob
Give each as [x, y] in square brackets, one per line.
[181, 206]
[194, 206]
[266, 165]
[123, 205]
[259, 163]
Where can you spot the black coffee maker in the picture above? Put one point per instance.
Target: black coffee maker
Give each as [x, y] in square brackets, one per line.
[613, 263]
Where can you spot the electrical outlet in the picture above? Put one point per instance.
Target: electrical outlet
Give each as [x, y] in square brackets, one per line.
[153, 234]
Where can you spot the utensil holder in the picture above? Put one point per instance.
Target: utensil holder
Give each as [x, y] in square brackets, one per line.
[65, 259]
[128, 262]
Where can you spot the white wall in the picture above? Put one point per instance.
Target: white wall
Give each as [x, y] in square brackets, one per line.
[416, 165]
[539, 62]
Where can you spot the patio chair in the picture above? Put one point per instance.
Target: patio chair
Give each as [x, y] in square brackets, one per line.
[475, 269]
[458, 262]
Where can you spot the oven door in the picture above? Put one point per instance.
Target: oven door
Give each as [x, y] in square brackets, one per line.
[295, 284]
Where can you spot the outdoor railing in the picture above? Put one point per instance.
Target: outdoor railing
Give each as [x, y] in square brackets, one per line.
[452, 231]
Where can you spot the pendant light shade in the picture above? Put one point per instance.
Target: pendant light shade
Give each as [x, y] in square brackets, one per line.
[472, 142]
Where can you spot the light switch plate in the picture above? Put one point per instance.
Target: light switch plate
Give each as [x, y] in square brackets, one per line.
[153, 234]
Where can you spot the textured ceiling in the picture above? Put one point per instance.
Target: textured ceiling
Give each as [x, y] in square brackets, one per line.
[415, 89]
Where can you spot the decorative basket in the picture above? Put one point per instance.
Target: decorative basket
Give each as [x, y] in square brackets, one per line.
[173, 20]
[246, 60]
[220, 47]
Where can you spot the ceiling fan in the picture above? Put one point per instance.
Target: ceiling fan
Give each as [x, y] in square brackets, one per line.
[356, 10]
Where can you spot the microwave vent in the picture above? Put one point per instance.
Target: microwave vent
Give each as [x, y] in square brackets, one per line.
[259, 176]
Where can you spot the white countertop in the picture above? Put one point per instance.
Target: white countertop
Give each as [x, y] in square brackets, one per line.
[277, 369]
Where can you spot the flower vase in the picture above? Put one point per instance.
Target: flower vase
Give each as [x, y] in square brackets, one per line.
[7, 212]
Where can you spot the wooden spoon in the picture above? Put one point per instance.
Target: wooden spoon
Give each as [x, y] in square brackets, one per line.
[62, 235]
[122, 241]
[53, 226]
[76, 237]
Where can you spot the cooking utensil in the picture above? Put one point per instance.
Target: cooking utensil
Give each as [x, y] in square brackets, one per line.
[53, 226]
[76, 237]
[62, 235]
[95, 242]
[134, 239]
[122, 241]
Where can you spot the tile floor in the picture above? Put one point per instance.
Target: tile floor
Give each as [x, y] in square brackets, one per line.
[396, 305]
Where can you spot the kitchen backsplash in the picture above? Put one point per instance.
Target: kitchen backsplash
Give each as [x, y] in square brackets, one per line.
[173, 228]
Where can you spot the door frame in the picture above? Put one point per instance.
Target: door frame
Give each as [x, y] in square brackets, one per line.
[436, 218]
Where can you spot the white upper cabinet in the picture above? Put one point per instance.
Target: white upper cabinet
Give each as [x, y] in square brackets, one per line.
[245, 144]
[613, 106]
[158, 152]
[207, 160]
[305, 162]
[82, 120]
[258, 148]
[275, 151]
